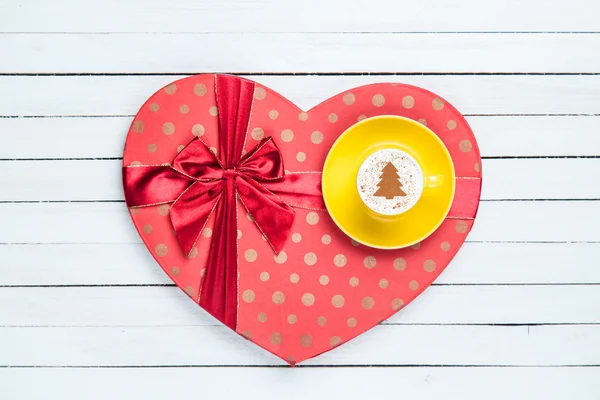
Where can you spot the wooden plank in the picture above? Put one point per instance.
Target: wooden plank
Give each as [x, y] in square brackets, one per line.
[313, 16]
[90, 180]
[104, 137]
[169, 306]
[132, 264]
[480, 94]
[383, 345]
[334, 52]
[424, 383]
[518, 221]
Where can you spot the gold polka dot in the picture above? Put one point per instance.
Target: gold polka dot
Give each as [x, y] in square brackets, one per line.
[262, 317]
[168, 128]
[368, 302]
[189, 290]
[296, 238]
[147, 228]
[445, 246]
[397, 304]
[247, 334]
[416, 246]
[312, 218]
[239, 234]
[276, 338]
[301, 156]
[429, 265]
[408, 102]
[200, 89]
[292, 319]
[281, 257]
[193, 253]
[326, 239]
[369, 262]
[184, 109]
[135, 163]
[250, 255]
[461, 226]
[332, 117]
[214, 111]
[134, 211]
[339, 260]
[451, 125]
[203, 272]
[422, 121]
[361, 117]
[477, 167]
[264, 276]
[180, 147]
[249, 217]
[335, 341]
[278, 297]
[294, 278]
[273, 114]
[413, 285]
[308, 299]
[175, 271]
[305, 340]
[321, 321]
[161, 250]
[399, 264]
[248, 296]
[258, 134]
[384, 283]
[323, 280]
[171, 89]
[316, 137]
[337, 301]
[351, 322]
[152, 148]
[465, 146]
[303, 116]
[207, 232]
[198, 130]
[354, 243]
[163, 210]
[310, 258]
[138, 126]
[260, 93]
[287, 135]
[349, 99]
[354, 281]
[154, 107]
[378, 100]
[437, 103]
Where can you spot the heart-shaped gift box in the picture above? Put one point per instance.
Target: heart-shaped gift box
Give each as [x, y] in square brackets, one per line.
[222, 177]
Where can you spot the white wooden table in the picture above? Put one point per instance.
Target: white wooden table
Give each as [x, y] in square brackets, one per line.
[85, 313]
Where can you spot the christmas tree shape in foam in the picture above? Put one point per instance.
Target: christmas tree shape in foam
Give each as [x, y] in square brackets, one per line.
[389, 185]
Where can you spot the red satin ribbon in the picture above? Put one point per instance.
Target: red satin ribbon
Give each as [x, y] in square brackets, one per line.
[200, 184]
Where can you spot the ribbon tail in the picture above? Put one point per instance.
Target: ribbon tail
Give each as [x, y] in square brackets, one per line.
[219, 285]
[271, 214]
[148, 185]
[300, 189]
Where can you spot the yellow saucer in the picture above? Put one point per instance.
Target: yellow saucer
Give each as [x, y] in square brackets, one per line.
[341, 195]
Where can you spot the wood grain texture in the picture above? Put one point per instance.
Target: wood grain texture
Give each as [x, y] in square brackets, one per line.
[444, 52]
[103, 137]
[149, 16]
[418, 383]
[94, 180]
[132, 264]
[472, 94]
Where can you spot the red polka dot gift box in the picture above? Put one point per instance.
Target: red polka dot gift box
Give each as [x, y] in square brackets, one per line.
[222, 178]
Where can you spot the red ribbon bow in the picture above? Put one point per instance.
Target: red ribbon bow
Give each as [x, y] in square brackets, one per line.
[198, 184]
